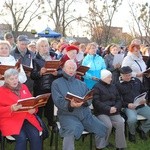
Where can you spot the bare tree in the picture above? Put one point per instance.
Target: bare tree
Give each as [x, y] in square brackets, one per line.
[141, 16]
[101, 16]
[22, 14]
[61, 14]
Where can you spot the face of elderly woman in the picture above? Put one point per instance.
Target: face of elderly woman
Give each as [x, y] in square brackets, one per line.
[12, 80]
[43, 47]
[4, 50]
[72, 54]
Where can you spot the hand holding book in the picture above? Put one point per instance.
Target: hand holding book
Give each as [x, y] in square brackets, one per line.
[75, 103]
[140, 99]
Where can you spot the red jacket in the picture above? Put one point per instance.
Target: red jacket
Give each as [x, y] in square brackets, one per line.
[11, 122]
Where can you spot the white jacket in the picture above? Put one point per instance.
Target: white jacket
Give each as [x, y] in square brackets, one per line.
[136, 63]
[10, 61]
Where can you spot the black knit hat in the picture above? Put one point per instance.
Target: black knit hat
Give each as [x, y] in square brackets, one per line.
[125, 70]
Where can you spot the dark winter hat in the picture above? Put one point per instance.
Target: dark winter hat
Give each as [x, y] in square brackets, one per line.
[125, 70]
[23, 38]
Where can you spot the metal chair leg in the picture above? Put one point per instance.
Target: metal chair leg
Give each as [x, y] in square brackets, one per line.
[2, 142]
[51, 138]
[91, 141]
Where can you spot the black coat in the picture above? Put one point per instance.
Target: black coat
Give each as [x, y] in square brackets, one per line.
[106, 96]
[42, 83]
[129, 90]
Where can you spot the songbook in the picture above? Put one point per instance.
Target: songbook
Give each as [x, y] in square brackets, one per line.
[81, 70]
[88, 96]
[118, 58]
[3, 68]
[27, 69]
[140, 98]
[52, 65]
[33, 102]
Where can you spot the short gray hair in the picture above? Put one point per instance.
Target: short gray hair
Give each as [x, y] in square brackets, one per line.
[71, 63]
[10, 72]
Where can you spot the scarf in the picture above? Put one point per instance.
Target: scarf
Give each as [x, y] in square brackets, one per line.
[46, 56]
[15, 90]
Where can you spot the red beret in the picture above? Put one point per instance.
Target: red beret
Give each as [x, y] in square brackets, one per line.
[62, 47]
[72, 47]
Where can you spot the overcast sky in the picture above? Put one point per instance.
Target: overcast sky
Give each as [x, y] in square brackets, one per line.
[121, 19]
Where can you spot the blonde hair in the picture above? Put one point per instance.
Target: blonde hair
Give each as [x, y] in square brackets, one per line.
[3, 42]
[88, 47]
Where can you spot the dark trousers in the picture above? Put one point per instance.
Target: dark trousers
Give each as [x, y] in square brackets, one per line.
[48, 110]
[28, 132]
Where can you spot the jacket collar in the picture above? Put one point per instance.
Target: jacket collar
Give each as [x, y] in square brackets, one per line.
[67, 77]
[122, 81]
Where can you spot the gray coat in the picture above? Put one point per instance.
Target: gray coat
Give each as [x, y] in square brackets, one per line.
[74, 121]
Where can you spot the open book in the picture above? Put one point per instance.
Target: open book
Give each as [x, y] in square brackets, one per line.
[27, 69]
[77, 98]
[81, 70]
[118, 58]
[140, 98]
[3, 68]
[52, 65]
[33, 102]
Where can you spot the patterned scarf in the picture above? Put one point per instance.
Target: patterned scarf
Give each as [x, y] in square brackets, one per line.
[15, 90]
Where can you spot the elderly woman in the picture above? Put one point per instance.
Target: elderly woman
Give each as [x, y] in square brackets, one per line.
[21, 125]
[71, 53]
[7, 59]
[96, 64]
[135, 61]
[107, 105]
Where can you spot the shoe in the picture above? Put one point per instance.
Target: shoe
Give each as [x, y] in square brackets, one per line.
[119, 148]
[132, 138]
[142, 134]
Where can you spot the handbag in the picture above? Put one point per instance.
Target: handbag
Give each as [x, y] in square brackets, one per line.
[45, 132]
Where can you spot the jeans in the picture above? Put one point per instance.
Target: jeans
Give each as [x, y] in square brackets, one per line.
[28, 132]
[132, 118]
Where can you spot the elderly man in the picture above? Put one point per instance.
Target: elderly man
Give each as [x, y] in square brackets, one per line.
[22, 53]
[129, 88]
[74, 116]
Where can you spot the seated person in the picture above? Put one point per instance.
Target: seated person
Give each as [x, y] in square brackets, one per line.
[107, 105]
[74, 116]
[129, 87]
[21, 125]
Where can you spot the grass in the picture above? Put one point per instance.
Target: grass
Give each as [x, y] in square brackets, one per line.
[84, 145]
